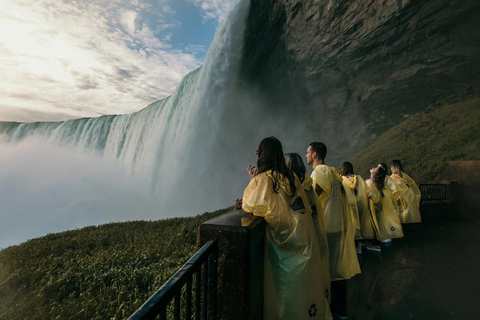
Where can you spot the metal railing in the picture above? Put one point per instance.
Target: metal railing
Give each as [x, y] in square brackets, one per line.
[433, 192]
[201, 271]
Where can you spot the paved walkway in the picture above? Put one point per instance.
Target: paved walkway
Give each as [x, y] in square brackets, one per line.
[431, 273]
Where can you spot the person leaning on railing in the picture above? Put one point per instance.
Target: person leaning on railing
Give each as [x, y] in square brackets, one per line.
[293, 285]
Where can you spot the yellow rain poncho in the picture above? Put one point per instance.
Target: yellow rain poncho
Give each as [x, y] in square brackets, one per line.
[339, 227]
[391, 184]
[356, 192]
[408, 197]
[319, 222]
[293, 284]
[383, 208]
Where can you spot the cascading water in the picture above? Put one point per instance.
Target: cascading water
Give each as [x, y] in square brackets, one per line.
[169, 146]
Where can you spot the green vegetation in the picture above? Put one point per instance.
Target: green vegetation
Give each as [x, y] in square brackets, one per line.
[107, 272]
[425, 142]
[98, 272]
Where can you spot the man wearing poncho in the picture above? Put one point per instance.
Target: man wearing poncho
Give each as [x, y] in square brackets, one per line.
[340, 231]
[293, 284]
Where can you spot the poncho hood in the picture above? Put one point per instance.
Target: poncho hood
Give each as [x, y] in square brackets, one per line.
[351, 182]
[336, 174]
[307, 183]
[396, 176]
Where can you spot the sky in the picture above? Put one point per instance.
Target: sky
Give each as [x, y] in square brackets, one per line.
[64, 59]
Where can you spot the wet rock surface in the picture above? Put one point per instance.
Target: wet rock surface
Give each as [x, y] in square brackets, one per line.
[431, 273]
[350, 70]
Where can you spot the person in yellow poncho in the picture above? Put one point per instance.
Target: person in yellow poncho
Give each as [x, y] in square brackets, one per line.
[295, 163]
[356, 192]
[382, 206]
[408, 196]
[293, 284]
[389, 181]
[340, 231]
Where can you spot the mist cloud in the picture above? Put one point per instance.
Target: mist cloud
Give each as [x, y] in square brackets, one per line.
[47, 189]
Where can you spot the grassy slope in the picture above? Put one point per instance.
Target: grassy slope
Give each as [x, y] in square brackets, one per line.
[426, 141]
[103, 272]
[107, 272]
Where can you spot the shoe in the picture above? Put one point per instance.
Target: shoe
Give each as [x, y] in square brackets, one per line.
[374, 248]
[338, 316]
[359, 251]
[387, 241]
[366, 243]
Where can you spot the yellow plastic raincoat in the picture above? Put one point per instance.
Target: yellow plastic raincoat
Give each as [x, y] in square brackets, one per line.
[356, 192]
[408, 197]
[293, 284]
[340, 231]
[319, 222]
[393, 186]
[389, 225]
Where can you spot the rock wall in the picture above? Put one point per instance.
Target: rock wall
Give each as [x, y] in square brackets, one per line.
[354, 69]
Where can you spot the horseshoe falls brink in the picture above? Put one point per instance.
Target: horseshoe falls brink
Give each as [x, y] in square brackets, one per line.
[169, 159]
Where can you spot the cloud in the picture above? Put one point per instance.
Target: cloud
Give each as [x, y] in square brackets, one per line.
[214, 9]
[127, 19]
[98, 57]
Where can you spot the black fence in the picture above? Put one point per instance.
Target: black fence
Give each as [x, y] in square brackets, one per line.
[434, 192]
[193, 290]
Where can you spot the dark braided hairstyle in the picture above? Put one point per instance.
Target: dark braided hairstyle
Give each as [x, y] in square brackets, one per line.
[270, 157]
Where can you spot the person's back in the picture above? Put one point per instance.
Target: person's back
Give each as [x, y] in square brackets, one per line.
[382, 206]
[340, 232]
[356, 192]
[293, 284]
[295, 163]
[331, 197]
[408, 195]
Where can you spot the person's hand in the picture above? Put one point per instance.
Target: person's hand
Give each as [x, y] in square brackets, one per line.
[373, 171]
[252, 171]
[238, 203]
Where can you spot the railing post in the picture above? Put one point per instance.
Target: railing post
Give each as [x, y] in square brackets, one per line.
[212, 287]
[172, 289]
[241, 246]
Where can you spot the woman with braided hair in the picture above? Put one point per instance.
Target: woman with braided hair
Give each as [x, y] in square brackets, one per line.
[293, 284]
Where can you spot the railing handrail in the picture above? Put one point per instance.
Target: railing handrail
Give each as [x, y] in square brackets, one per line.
[150, 309]
[434, 191]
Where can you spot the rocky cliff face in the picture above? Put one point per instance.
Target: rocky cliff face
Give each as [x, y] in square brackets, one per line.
[353, 69]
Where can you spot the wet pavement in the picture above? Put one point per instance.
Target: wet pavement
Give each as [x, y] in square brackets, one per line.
[431, 273]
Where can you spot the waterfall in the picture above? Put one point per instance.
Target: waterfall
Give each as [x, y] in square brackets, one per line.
[167, 148]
